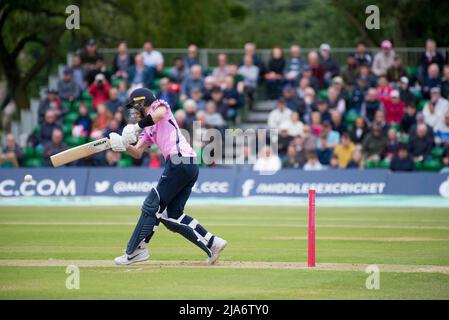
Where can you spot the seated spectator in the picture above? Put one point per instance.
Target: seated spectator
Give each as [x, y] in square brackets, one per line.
[193, 81]
[335, 101]
[337, 122]
[356, 160]
[54, 146]
[197, 96]
[122, 93]
[431, 80]
[292, 159]
[51, 102]
[111, 158]
[139, 75]
[89, 55]
[231, 98]
[362, 56]
[209, 85]
[190, 109]
[359, 132]
[294, 66]
[68, 89]
[344, 150]
[99, 90]
[379, 118]
[309, 141]
[391, 146]
[279, 115]
[308, 74]
[47, 127]
[402, 161]
[317, 68]
[370, 105]
[420, 145]
[313, 164]
[83, 124]
[284, 140]
[97, 68]
[307, 105]
[222, 70]
[324, 151]
[383, 59]
[333, 162]
[409, 118]
[114, 102]
[153, 59]
[427, 58]
[221, 107]
[78, 71]
[11, 152]
[397, 70]
[122, 61]
[250, 73]
[323, 109]
[404, 92]
[365, 72]
[289, 95]
[339, 85]
[166, 94]
[329, 63]
[316, 124]
[394, 108]
[273, 76]
[349, 71]
[295, 126]
[180, 117]
[191, 58]
[445, 83]
[420, 119]
[154, 159]
[435, 108]
[383, 90]
[304, 83]
[179, 71]
[113, 126]
[213, 118]
[298, 145]
[358, 94]
[374, 143]
[442, 131]
[100, 121]
[120, 118]
[267, 162]
[333, 137]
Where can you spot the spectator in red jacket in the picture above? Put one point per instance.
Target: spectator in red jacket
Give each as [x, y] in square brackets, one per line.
[99, 90]
[383, 90]
[394, 108]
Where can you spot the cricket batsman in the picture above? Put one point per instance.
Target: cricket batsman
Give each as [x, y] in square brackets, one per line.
[165, 203]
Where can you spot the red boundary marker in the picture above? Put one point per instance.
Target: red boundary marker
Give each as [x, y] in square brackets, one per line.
[311, 230]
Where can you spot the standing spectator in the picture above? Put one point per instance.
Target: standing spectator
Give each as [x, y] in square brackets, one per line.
[370, 105]
[313, 164]
[83, 124]
[420, 144]
[54, 146]
[11, 152]
[344, 150]
[404, 92]
[394, 108]
[250, 73]
[99, 90]
[409, 118]
[362, 56]
[383, 59]
[359, 131]
[122, 61]
[402, 161]
[101, 121]
[68, 89]
[152, 59]
[279, 115]
[47, 127]
[273, 76]
[435, 109]
[78, 72]
[114, 102]
[166, 94]
[179, 71]
[317, 68]
[328, 62]
[267, 162]
[374, 143]
[294, 66]
[222, 70]
[430, 56]
[396, 71]
[191, 58]
[231, 98]
[349, 70]
[51, 102]
[250, 50]
[431, 79]
[139, 75]
[193, 81]
[89, 55]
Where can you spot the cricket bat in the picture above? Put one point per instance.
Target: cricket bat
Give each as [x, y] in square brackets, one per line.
[80, 152]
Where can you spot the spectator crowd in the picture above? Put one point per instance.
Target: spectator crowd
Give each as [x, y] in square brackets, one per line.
[372, 111]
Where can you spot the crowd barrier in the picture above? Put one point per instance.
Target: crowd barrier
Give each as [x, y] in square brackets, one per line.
[227, 183]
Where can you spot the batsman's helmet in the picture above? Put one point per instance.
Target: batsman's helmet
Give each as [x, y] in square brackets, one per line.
[138, 100]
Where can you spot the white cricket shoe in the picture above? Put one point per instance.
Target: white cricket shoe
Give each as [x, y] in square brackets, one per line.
[217, 247]
[140, 254]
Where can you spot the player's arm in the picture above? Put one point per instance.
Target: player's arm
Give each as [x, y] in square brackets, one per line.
[137, 151]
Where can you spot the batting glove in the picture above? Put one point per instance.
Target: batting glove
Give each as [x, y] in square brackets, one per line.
[117, 142]
[130, 133]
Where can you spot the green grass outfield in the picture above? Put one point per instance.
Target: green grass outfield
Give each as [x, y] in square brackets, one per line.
[265, 257]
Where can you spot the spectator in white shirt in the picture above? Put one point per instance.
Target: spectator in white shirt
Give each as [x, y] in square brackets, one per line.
[294, 126]
[279, 115]
[152, 58]
[435, 109]
[250, 73]
[267, 162]
[313, 164]
[383, 59]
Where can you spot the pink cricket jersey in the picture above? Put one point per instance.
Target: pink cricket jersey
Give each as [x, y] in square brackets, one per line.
[166, 134]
